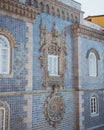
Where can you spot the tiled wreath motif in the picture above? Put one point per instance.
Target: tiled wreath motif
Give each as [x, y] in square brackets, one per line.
[54, 108]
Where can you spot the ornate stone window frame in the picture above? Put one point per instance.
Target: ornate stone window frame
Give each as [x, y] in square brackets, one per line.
[53, 65]
[11, 40]
[5, 106]
[53, 43]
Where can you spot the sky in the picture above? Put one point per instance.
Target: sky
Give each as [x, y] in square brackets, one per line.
[92, 7]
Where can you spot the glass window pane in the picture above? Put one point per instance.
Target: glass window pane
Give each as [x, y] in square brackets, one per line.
[94, 105]
[4, 55]
[53, 65]
[92, 64]
[3, 41]
[4, 60]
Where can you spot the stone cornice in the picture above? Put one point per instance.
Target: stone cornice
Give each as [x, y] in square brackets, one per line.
[65, 7]
[89, 32]
[99, 34]
[18, 9]
[90, 90]
[36, 92]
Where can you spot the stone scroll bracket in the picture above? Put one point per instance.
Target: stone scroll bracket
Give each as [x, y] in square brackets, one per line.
[54, 108]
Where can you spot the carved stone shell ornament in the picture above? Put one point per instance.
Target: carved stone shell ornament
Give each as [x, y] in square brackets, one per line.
[54, 109]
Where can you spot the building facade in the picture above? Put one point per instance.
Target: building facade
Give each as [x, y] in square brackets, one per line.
[98, 19]
[51, 67]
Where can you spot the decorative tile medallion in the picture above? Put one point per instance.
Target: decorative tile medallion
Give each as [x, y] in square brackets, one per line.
[54, 108]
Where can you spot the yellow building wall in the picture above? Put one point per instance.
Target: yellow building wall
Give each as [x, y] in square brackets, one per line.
[98, 20]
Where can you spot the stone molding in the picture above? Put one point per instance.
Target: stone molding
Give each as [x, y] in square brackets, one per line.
[98, 127]
[7, 114]
[18, 9]
[36, 92]
[28, 110]
[29, 56]
[9, 36]
[94, 51]
[81, 111]
[57, 8]
[53, 43]
[29, 77]
[76, 56]
[81, 30]
[30, 10]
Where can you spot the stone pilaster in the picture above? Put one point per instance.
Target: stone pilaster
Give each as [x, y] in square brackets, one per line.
[79, 94]
[81, 110]
[29, 66]
[75, 57]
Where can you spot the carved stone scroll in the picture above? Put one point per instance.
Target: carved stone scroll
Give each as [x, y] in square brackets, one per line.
[54, 108]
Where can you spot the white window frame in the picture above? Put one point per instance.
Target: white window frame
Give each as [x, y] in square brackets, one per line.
[53, 68]
[1, 108]
[92, 65]
[94, 105]
[8, 56]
